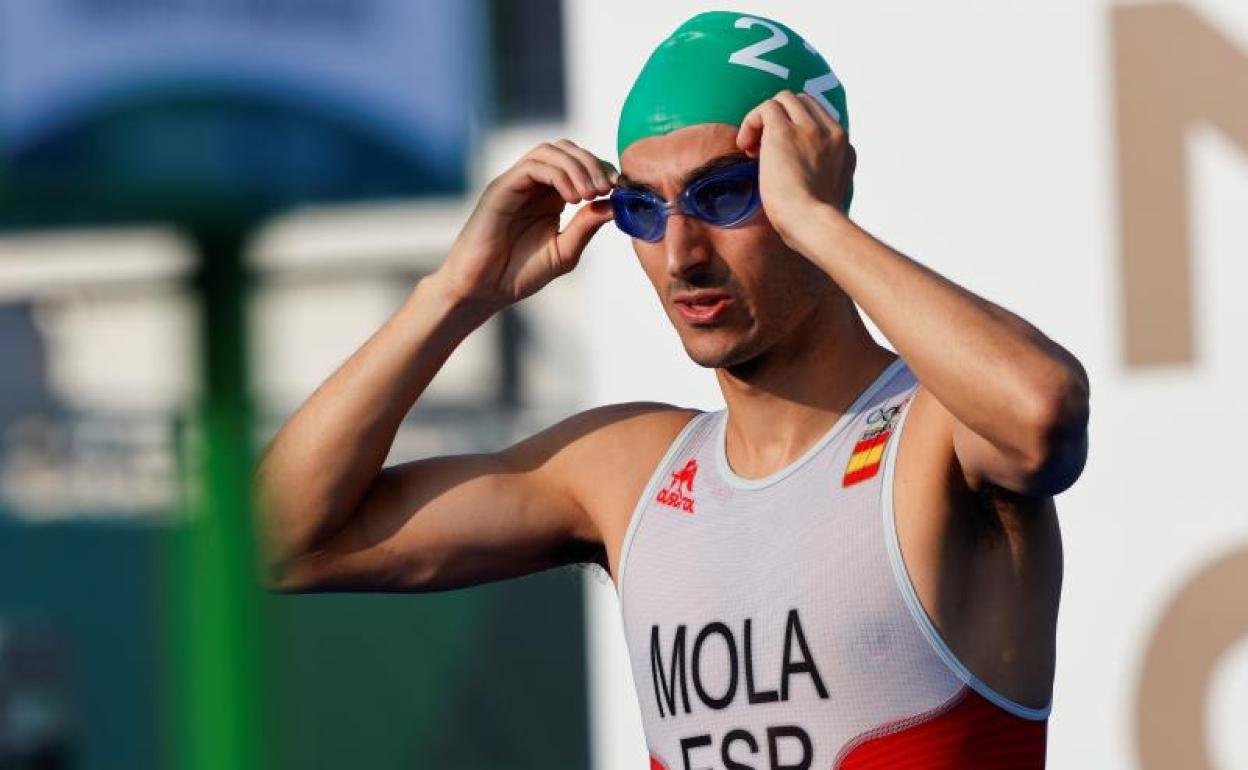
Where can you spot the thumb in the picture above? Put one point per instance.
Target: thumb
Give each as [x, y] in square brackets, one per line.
[575, 237]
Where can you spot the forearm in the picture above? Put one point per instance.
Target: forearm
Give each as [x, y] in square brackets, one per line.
[997, 374]
[320, 464]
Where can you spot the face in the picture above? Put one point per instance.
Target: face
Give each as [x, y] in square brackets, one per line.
[750, 292]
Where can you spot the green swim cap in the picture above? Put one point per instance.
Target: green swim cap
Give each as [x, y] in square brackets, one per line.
[718, 66]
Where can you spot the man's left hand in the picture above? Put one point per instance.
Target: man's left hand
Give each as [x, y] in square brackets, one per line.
[805, 158]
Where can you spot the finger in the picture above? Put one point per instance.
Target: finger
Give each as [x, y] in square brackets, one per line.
[818, 115]
[750, 132]
[795, 110]
[580, 176]
[822, 115]
[599, 170]
[613, 173]
[575, 237]
[530, 172]
[767, 113]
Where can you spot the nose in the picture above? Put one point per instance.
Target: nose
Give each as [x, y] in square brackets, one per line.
[684, 241]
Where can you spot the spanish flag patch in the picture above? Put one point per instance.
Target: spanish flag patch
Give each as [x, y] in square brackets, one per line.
[864, 461]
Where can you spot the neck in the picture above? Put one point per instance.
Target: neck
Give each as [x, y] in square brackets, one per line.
[783, 401]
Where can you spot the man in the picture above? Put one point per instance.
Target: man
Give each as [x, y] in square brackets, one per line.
[808, 586]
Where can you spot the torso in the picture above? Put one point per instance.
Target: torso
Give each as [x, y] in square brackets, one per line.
[944, 536]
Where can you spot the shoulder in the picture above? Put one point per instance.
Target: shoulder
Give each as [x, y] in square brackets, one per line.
[604, 458]
[608, 435]
[630, 430]
[612, 449]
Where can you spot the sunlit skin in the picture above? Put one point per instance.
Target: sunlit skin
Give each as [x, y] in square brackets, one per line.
[790, 339]
[775, 291]
[998, 425]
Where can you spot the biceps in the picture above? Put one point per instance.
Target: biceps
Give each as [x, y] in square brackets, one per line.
[449, 522]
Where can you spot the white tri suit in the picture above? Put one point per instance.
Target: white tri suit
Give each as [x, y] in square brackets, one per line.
[771, 622]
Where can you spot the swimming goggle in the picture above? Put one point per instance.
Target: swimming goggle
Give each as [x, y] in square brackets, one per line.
[724, 197]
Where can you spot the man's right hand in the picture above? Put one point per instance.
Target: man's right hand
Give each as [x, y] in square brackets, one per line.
[511, 245]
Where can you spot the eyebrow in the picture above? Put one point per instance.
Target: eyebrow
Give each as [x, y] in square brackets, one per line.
[711, 165]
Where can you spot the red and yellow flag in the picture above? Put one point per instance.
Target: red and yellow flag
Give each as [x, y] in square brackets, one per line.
[864, 462]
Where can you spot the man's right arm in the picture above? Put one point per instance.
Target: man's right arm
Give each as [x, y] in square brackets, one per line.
[332, 518]
[316, 471]
[449, 522]
[335, 520]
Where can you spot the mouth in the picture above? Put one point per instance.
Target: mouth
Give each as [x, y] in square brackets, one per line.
[702, 308]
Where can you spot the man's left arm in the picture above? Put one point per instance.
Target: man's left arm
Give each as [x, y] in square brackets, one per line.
[1019, 401]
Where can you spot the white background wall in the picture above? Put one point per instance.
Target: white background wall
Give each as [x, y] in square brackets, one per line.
[986, 150]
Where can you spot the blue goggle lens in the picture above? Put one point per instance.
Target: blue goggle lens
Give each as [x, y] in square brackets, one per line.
[638, 214]
[722, 198]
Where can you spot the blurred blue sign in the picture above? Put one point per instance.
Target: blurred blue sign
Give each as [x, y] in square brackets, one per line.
[143, 108]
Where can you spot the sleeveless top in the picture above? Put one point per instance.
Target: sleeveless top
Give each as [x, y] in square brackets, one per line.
[771, 622]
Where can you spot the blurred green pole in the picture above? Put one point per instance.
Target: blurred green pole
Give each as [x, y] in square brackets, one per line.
[217, 618]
